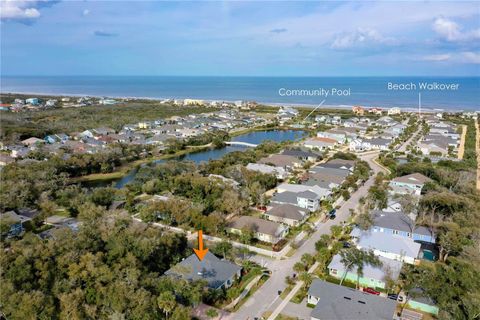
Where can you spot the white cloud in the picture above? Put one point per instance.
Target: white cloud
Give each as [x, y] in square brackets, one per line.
[10, 9]
[451, 31]
[471, 57]
[465, 57]
[86, 12]
[23, 10]
[437, 57]
[361, 36]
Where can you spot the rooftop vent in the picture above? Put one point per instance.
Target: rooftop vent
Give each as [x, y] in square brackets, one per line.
[362, 302]
[347, 298]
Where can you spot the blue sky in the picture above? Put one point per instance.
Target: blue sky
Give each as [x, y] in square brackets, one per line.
[272, 38]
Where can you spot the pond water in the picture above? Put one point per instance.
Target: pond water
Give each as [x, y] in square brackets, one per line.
[255, 137]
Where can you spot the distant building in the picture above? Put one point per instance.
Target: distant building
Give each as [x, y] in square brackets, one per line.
[33, 101]
[358, 110]
[393, 111]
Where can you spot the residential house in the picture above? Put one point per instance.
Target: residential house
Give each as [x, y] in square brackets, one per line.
[339, 164]
[288, 214]
[379, 144]
[322, 193]
[393, 247]
[320, 143]
[419, 300]
[372, 276]
[219, 274]
[263, 230]
[279, 172]
[32, 141]
[282, 161]
[15, 222]
[411, 183]
[358, 110]
[393, 111]
[302, 155]
[33, 101]
[335, 302]
[400, 224]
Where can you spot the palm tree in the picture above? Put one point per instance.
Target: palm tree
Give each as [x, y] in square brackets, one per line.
[354, 257]
[166, 302]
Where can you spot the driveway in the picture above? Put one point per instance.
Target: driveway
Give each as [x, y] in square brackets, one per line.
[266, 297]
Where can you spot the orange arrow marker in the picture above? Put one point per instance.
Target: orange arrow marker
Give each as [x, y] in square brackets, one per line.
[200, 252]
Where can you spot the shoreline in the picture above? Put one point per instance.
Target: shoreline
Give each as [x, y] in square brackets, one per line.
[266, 103]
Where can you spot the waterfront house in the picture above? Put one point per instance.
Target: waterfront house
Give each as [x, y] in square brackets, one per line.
[412, 182]
[302, 155]
[319, 143]
[398, 223]
[263, 230]
[219, 274]
[393, 247]
[335, 302]
[372, 276]
[282, 161]
[288, 214]
[340, 137]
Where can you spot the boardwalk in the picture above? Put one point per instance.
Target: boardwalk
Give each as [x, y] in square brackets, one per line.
[461, 148]
[477, 149]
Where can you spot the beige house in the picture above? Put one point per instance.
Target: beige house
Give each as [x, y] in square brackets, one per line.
[288, 214]
[263, 230]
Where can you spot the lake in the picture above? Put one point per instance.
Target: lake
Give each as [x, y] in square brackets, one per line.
[255, 137]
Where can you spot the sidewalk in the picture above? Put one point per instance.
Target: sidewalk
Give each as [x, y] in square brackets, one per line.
[244, 292]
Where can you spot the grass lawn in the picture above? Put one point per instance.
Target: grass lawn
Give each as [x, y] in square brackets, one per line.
[251, 292]
[300, 295]
[284, 317]
[285, 292]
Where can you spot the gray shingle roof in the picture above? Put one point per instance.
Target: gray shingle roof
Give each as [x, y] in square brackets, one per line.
[342, 303]
[285, 197]
[386, 243]
[398, 221]
[414, 178]
[215, 271]
[257, 225]
[370, 271]
[288, 211]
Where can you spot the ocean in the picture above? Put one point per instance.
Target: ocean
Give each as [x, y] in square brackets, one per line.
[457, 93]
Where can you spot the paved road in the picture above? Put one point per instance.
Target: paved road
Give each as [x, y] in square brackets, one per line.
[403, 147]
[266, 298]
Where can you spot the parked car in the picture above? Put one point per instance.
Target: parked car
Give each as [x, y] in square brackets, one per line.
[371, 291]
[395, 297]
[332, 214]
